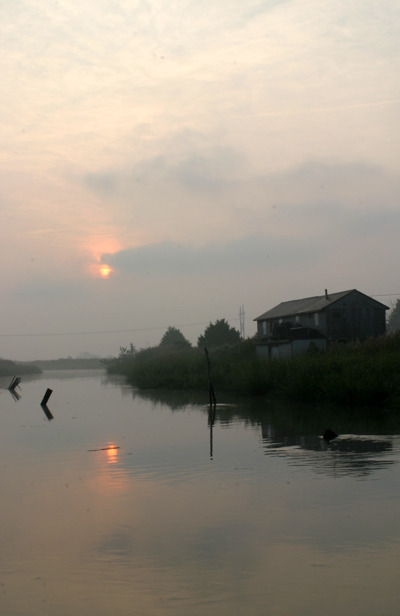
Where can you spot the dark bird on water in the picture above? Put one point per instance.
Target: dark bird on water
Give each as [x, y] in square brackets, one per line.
[329, 435]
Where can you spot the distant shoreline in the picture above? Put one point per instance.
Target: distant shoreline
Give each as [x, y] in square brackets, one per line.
[9, 367]
[69, 363]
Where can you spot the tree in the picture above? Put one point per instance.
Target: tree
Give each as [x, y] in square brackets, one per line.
[217, 334]
[393, 323]
[127, 352]
[173, 337]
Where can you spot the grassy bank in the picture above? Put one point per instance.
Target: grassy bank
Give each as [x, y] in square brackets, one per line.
[12, 368]
[362, 374]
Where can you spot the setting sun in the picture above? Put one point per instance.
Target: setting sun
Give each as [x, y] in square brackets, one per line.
[105, 271]
[96, 248]
[100, 270]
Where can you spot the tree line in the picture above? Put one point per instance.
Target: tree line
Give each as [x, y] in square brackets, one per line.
[215, 335]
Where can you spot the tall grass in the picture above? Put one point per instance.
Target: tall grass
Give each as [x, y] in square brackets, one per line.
[359, 374]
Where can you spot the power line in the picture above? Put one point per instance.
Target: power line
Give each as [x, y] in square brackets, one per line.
[93, 332]
[101, 331]
[241, 319]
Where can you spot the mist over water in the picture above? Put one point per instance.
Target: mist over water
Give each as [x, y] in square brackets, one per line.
[136, 504]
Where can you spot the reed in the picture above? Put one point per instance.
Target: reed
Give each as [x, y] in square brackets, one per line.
[359, 374]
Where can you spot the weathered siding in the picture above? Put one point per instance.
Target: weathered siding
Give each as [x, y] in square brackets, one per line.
[276, 350]
[299, 347]
[266, 329]
[355, 317]
[344, 316]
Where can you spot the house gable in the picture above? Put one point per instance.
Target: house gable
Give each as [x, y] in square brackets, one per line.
[347, 315]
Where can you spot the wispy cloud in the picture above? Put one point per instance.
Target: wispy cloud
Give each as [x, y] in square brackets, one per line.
[243, 254]
[250, 144]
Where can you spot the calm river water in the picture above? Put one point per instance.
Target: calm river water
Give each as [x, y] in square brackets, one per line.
[131, 505]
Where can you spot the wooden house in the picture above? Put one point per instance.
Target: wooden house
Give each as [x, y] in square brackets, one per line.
[290, 327]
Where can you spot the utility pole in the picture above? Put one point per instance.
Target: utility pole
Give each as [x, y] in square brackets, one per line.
[241, 321]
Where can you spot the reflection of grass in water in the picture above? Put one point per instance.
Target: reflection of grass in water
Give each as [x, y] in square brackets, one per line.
[314, 418]
[286, 416]
[176, 400]
[349, 375]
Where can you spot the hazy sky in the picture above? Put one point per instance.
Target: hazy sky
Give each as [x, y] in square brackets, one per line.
[211, 154]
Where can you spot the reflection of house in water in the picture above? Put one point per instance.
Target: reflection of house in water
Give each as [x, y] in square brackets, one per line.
[345, 455]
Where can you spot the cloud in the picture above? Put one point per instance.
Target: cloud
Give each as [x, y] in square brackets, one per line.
[205, 168]
[381, 222]
[172, 258]
[211, 172]
[102, 183]
[51, 292]
[199, 170]
[214, 193]
[298, 235]
[249, 145]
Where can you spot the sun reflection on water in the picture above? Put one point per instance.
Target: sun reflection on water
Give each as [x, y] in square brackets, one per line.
[110, 472]
[112, 452]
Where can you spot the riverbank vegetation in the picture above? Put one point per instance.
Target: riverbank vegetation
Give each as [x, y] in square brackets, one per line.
[363, 374]
[70, 363]
[12, 368]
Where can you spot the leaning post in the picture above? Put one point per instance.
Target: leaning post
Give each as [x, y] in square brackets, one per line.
[211, 391]
[46, 397]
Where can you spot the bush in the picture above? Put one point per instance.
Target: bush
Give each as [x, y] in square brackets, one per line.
[358, 374]
[173, 337]
[219, 334]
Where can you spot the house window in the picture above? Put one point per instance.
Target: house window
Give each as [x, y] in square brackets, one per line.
[264, 328]
[297, 320]
[316, 319]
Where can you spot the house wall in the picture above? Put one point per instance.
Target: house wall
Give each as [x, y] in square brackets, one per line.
[299, 347]
[355, 317]
[281, 351]
[289, 349]
[266, 328]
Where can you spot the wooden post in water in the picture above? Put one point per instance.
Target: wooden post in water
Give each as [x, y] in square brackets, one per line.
[15, 381]
[211, 420]
[47, 411]
[213, 401]
[44, 406]
[46, 397]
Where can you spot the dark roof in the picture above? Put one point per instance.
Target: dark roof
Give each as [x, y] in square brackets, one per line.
[309, 304]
